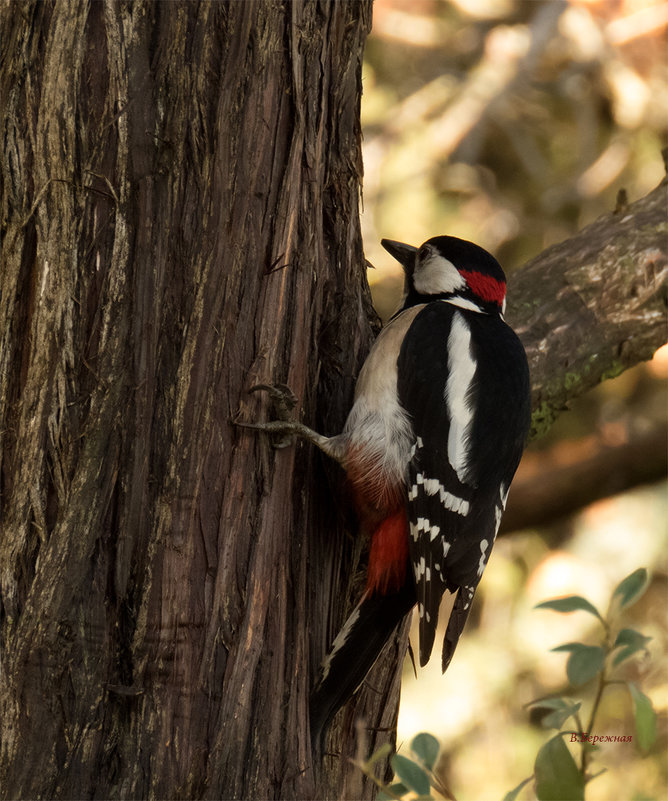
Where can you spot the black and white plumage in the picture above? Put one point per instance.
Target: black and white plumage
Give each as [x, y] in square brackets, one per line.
[430, 447]
[469, 403]
[462, 391]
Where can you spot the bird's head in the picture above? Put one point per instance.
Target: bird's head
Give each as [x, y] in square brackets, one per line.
[447, 268]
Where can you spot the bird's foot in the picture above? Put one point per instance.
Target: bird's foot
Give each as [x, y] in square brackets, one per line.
[283, 401]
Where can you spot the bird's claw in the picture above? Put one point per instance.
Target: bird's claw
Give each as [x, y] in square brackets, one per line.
[282, 398]
[283, 401]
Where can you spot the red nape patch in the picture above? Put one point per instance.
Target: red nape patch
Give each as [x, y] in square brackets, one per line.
[485, 287]
[388, 555]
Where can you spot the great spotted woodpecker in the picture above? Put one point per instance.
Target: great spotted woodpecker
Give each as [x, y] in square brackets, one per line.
[431, 444]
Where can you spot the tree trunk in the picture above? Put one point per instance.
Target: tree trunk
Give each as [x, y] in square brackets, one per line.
[179, 222]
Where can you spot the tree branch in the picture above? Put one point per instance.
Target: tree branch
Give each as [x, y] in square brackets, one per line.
[591, 307]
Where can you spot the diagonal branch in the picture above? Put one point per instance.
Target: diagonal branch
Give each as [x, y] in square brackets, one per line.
[591, 307]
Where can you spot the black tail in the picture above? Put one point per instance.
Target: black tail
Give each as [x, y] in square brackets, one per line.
[355, 649]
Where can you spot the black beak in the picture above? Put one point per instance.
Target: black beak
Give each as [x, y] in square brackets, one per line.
[404, 254]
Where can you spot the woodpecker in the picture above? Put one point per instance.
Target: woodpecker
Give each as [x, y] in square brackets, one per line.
[436, 431]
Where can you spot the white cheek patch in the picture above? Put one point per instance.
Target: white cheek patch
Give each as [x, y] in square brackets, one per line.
[462, 367]
[435, 275]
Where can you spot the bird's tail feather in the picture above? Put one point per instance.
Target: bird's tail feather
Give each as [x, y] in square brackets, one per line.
[354, 652]
[456, 623]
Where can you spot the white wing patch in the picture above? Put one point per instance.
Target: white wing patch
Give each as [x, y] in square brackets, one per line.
[464, 303]
[462, 367]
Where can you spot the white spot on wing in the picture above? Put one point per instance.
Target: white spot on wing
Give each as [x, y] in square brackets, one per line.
[462, 367]
[498, 514]
[483, 556]
[424, 525]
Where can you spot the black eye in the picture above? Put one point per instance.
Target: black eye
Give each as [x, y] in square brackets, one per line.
[423, 252]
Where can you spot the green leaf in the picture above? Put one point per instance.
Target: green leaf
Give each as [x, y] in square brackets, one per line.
[426, 747]
[378, 754]
[630, 641]
[411, 774]
[630, 589]
[512, 795]
[394, 790]
[584, 662]
[557, 775]
[561, 711]
[645, 718]
[572, 603]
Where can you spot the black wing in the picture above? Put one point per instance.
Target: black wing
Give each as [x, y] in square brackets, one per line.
[463, 378]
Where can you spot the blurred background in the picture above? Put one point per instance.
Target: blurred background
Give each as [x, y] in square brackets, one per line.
[514, 123]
